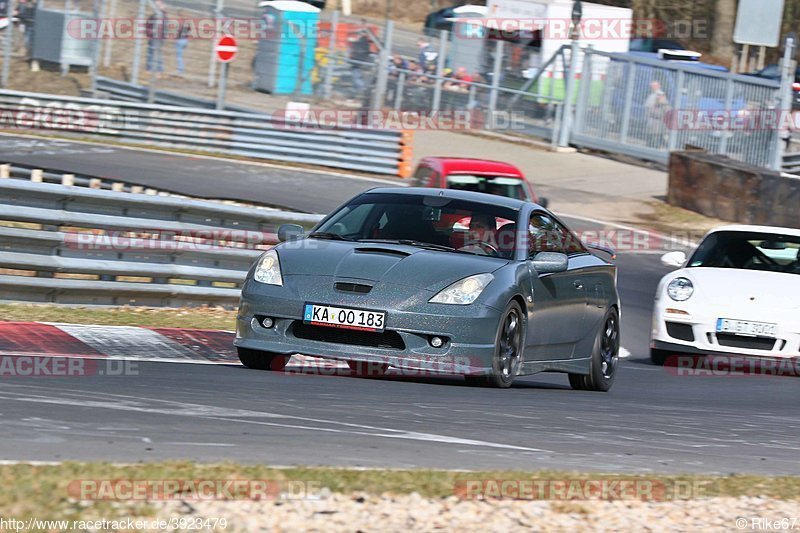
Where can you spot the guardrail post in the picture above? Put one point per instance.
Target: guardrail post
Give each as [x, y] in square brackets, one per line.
[383, 67]
[5, 171]
[137, 47]
[330, 66]
[68, 180]
[437, 90]
[788, 67]
[398, 93]
[570, 80]
[723, 143]
[626, 112]
[585, 90]
[118, 186]
[37, 175]
[497, 71]
[677, 103]
[137, 189]
[95, 183]
[151, 192]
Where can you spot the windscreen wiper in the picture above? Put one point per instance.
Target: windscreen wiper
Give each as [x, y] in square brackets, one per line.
[411, 242]
[329, 236]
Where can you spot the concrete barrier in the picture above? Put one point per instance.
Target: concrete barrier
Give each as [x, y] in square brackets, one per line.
[719, 187]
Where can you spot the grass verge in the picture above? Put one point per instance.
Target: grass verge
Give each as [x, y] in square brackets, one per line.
[194, 318]
[31, 490]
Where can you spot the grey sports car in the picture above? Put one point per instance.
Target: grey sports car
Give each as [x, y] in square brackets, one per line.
[439, 281]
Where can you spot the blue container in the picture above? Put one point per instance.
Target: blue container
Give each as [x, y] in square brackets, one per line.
[285, 58]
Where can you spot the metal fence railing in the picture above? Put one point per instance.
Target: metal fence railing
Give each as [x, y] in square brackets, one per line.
[646, 108]
[278, 138]
[77, 245]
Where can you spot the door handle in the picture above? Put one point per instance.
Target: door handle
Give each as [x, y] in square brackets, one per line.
[578, 285]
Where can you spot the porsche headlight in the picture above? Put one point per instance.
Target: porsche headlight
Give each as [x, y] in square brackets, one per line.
[268, 269]
[463, 292]
[680, 289]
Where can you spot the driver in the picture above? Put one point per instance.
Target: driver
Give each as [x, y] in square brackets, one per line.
[482, 228]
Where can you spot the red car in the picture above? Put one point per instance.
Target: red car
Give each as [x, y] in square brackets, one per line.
[479, 175]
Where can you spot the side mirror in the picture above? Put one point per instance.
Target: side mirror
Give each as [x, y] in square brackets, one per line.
[550, 262]
[288, 232]
[674, 259]
[544, 202]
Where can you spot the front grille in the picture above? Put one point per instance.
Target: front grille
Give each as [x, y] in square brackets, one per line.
[750, 343]
[387, 339]
[352, 287]
[680, 331]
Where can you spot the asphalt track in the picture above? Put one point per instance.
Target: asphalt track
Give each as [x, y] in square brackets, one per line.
[652, 421]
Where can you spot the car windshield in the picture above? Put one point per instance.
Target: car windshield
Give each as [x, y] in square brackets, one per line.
[749, 251]
[498, 185]
[431, 222]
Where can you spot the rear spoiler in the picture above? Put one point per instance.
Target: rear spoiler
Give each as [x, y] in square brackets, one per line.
[607, 249]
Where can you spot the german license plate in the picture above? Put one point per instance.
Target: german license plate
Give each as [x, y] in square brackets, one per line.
[343, 317]
[747, 329]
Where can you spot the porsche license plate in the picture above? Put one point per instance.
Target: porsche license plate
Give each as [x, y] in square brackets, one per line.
[343, 317]
[747, 329]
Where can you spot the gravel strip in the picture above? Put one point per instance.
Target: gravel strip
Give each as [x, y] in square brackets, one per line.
[414, 513]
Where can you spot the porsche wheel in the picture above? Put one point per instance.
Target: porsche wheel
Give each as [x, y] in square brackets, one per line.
[604, 360]
[258, 360]
[509, 342]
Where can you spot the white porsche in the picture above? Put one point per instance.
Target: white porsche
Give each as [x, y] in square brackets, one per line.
[738, 294]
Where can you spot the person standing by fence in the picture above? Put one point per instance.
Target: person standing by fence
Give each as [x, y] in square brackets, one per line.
[155, 29]
[181, 40]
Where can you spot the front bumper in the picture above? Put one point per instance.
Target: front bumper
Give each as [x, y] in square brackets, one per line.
[672, 332]
[469, 330]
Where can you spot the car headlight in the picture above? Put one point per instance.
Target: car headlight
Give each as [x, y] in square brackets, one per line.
[680, 289]
[268, 269]
[463, 292]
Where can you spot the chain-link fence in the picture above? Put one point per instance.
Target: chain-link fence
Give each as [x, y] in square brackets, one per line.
[618, 102]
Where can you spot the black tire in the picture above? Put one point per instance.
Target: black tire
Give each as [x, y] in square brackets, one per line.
[509, 346]
[365, 369]
[659, 357]
[605, 358]
[258, 360]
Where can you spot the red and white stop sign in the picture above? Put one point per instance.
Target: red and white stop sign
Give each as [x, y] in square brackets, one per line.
[226, 49]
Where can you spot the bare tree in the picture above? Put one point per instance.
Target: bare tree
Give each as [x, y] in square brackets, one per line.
[724, 20]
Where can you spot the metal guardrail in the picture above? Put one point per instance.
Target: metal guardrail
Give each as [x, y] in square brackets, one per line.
[226, 132]
[131, 92]
[791, 163]
[78, 245]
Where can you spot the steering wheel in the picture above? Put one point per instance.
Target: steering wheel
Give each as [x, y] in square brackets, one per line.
[483, 245]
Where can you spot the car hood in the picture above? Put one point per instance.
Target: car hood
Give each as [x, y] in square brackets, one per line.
[734, 287]
[395, 264]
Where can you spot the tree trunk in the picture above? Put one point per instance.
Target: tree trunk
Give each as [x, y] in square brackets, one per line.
[722, 36]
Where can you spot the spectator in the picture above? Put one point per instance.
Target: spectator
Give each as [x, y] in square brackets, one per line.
[360, 51]
[181, 40]
[656, 106]
[427, 54]
[26, 13]
[155, 29]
